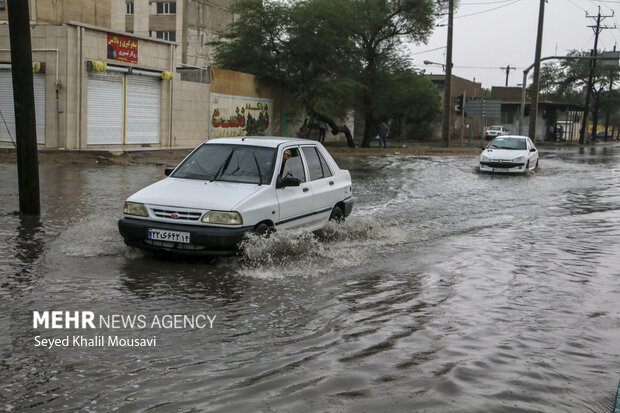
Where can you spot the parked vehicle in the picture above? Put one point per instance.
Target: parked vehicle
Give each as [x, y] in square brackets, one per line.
[509, 154]
[494, 131]
[229, 186]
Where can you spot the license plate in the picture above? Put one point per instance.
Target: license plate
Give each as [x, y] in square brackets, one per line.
[170, 236]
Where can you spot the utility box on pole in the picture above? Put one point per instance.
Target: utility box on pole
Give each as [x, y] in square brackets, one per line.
[23, 97]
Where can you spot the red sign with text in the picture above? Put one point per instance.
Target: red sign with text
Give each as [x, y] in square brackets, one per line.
[123, 49]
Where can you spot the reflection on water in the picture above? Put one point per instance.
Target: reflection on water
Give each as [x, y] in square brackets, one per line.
[446, 290]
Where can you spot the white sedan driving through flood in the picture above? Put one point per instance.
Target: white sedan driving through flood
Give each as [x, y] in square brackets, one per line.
[509, 154]
[229, 186]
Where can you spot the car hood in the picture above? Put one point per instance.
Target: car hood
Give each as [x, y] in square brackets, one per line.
[504, 154]
[193, 193]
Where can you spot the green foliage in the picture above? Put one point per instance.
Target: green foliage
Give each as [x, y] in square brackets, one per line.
[333, 54]
[408, 98]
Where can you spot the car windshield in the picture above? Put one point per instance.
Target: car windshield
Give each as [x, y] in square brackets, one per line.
[229, 163]
[508, 143]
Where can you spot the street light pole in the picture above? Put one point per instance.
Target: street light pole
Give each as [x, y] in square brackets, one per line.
[445, 118]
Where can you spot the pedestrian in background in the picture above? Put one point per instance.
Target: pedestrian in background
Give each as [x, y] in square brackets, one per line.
[384, 132]
[322, 130]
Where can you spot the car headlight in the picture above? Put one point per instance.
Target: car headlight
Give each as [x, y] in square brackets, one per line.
[134, 208]
[519, 159]
[485, 158]
[222, 218]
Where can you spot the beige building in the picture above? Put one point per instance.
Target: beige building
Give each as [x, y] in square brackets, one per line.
[101, 87]
[190, 23]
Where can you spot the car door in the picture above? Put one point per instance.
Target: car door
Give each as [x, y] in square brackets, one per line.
[295, 203]
[532, 156]
[321, 181]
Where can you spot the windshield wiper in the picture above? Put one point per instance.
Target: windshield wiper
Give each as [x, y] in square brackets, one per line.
[260, 176]
[223, 166]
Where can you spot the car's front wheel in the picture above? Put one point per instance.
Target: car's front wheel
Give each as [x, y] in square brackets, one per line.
[527, 166]
[337, 214]
[264, 229]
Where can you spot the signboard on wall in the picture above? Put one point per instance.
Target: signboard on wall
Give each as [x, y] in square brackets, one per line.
[122, 48]
[240, 116]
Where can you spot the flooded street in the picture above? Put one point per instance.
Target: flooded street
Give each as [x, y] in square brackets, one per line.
[445, 290]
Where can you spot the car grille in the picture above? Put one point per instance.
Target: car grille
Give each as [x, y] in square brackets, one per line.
[502, 164]
[177, 215]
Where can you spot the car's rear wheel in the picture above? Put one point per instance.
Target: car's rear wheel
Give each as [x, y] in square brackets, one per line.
[337, 214]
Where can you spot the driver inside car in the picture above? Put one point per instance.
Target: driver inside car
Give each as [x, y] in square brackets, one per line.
[291, 165]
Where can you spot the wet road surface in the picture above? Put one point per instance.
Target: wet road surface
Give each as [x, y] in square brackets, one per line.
[446, 290]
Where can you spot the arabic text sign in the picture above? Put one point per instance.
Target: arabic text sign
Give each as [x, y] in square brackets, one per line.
[123, 49]
[240, 116]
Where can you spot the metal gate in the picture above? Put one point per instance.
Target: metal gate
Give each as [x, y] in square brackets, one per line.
[123, 109]
[7, 109]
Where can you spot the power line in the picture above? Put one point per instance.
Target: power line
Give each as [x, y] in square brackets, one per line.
[426, 51]
[488, 10]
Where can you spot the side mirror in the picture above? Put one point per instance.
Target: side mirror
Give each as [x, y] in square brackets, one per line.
[168, 171]
[288, 181]
[533, 150]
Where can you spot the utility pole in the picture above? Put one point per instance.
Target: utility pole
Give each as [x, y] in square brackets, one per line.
[23, 98]
[597, 30]
[611, 88]
[535, 86]
[508, 68]
[445, 118]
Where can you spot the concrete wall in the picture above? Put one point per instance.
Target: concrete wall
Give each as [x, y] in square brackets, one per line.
[191, 114]
[204, 21]
[228, 82]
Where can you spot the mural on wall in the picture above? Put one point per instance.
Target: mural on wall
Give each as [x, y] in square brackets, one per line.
[123, 49]
[240, 116]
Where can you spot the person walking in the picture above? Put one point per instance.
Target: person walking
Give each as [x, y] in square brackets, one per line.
[322, 130]
[384, 132]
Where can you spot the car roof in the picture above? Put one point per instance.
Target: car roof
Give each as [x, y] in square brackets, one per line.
[512, 136]
[266, 141]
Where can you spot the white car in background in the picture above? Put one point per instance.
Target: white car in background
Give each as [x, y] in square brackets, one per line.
[230, 186]
[495, 131]
[509, 153]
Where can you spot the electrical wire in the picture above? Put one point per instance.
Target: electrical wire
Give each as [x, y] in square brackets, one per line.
[426, 51]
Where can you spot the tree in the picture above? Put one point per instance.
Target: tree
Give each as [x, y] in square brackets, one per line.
[330, 53]
[409, 99]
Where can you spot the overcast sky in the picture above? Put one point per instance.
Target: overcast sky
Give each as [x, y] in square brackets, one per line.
[489, 34]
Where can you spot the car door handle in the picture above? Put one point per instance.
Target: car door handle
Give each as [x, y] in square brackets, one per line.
[331, 182]
[306, 189]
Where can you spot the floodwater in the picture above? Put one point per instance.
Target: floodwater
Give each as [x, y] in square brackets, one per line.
[446, 290]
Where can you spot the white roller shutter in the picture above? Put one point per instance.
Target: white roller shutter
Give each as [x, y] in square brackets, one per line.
[7, 120]
[105, 108]
[142, 114]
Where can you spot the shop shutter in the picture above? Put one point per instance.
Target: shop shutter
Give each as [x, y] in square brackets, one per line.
[105, 108]
[142, 114]
[7, 120]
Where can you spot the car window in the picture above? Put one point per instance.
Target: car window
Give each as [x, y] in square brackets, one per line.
[230, 163]
[293, 166]
[507, 143]
[326, 170]
[317, 167]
